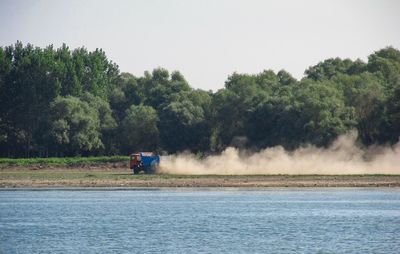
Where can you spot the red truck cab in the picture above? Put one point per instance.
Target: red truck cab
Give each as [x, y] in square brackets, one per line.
[135, 160]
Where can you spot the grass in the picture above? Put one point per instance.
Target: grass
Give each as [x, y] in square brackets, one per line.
[67, 161]
[60, 175]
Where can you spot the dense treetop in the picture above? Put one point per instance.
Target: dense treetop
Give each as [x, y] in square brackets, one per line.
[59, 102]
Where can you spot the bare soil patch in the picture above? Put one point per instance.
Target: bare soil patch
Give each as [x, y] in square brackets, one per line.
[120, 176]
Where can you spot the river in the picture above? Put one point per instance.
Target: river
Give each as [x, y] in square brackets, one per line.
[335, 220]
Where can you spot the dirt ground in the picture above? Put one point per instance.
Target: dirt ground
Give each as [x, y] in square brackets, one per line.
[121, 176]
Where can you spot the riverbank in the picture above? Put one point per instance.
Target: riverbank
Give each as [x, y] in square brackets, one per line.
[96, 176]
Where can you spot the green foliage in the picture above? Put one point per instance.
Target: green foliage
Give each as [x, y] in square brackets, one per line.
[392, 116]
[322, 112]
[386, 63]
[30, 81]
[75, 125]
[57, 102]
[139, 129]
[65, 161]
[366, 95]
[158, 88]
[124, 94]
[182, 126]
[334, 66]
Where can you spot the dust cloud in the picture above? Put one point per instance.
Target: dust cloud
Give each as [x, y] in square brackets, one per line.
[342, 157]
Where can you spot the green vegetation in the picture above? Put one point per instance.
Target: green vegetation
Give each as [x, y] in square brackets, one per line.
[62, 102]
[67, 161]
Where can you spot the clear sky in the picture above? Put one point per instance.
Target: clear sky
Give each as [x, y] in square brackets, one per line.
[207, 40]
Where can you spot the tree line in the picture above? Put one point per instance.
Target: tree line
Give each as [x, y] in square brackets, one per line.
[63, 102]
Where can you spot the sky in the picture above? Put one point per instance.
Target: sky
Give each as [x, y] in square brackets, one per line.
[207, 40]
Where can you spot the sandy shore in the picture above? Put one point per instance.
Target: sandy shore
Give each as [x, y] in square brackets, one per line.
[121, 177]
[264, 181]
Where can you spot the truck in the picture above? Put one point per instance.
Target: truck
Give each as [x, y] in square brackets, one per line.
[146, 162]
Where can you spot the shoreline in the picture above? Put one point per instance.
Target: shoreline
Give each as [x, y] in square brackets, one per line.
[150, 189]
[122, 178]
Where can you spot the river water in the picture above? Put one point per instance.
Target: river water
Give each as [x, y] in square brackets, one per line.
[200, 221]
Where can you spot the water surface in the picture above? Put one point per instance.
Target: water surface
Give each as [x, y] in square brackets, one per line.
[201, 221]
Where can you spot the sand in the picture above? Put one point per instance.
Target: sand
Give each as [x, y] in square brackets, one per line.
[95, 176]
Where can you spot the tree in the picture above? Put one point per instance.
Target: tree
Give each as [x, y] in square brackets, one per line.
[29, 87]
[334, 66]
[158, 89]
[386, 63]
[139, 129]
[94, 71]
[125, 93]
[75, 126]
[68, 102]
[322, 113]
[5, 122]
[366, 94]
[182, 126]
[392, 117]
[270, 123]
